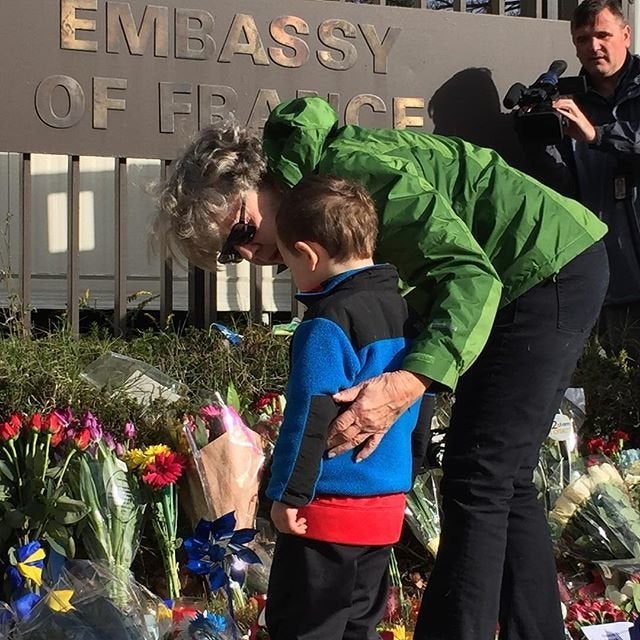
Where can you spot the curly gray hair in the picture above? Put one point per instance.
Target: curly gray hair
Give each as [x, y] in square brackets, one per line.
[222, 163]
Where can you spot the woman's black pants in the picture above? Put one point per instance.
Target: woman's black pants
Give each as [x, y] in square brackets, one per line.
[495, 563]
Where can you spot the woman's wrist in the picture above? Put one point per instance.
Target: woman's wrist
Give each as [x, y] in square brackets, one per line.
[414, 384]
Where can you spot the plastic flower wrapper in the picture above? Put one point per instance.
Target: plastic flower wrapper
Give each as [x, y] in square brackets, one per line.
[78, 607]
[111, 530]
[159, 468]
[422, 512]
[559, 452]
[116, 373]
[629, 465]
[593, 517]
[7, 619]
[228, 459]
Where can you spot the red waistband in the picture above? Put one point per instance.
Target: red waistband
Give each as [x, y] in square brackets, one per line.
[363, 521]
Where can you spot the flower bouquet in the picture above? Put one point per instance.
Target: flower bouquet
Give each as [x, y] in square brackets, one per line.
[110, 533]
[35, 454]
[422, 512]
[228, 458]
[559, 452]
[585, 613]
[593, 517]
[158, 468]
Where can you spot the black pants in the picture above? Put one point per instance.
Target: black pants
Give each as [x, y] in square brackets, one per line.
[325, 591]
[495, 562]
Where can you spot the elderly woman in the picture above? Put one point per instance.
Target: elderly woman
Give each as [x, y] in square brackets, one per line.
[508, 276]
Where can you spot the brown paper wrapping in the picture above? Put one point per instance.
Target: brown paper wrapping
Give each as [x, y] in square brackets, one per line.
[225, 477]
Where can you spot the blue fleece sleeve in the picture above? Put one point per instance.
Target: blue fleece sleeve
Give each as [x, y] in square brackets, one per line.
[323, 362]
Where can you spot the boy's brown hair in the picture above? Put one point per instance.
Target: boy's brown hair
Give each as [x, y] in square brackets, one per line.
[336, 213]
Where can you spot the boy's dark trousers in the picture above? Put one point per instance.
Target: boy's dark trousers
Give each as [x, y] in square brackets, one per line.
[326, 591]
[495, 561]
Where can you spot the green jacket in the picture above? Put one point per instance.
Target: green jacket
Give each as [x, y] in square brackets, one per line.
[467, 232]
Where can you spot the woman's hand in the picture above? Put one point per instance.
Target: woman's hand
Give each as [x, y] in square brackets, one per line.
[377, 403]
[285, 518]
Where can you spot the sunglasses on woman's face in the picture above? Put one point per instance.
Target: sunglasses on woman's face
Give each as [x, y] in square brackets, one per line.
[241, 233]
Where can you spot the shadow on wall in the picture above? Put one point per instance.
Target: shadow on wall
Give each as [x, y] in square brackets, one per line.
[468, 106]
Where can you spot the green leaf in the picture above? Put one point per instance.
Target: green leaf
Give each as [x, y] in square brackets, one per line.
[6, 471]
[233, 399]
[200, 435]
[69, 511]
[636, 595]
[60, 539]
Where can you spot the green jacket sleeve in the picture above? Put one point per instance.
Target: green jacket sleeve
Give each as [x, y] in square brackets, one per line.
[455, 287]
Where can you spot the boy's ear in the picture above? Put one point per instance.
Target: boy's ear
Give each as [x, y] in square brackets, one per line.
[310, 251]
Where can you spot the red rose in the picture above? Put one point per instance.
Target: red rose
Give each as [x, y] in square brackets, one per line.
[10, 429]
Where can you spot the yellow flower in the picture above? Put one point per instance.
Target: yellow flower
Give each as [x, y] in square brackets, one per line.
[134, 458]
[153, 450]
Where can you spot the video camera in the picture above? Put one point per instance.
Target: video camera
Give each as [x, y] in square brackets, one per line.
[535, 118]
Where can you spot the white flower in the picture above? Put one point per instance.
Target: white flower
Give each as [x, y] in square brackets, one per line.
[564, 509]
[612, 473]
[579, 490]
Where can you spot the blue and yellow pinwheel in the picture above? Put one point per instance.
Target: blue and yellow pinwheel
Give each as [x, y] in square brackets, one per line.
[27, 563]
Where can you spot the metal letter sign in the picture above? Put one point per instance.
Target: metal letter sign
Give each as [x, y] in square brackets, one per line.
[131, 79]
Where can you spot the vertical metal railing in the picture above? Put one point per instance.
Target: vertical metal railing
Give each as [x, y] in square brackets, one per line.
[120, 242]
[255, 292]
[73, 243]
[26, 250]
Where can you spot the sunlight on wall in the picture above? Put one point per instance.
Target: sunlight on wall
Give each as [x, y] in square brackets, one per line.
[57, 222]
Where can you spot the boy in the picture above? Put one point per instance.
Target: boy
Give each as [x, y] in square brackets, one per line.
[337, 518]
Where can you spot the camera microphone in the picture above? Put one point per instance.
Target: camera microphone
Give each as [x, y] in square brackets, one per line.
[513, 96]
[556, 69]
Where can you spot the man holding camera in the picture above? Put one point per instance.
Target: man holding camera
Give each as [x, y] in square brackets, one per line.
[598, 162]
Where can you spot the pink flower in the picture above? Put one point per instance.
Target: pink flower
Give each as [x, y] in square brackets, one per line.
[211, 411]
[129, 430]
[90, 422]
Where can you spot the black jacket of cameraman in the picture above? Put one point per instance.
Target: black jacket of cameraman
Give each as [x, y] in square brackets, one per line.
[605, 175]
